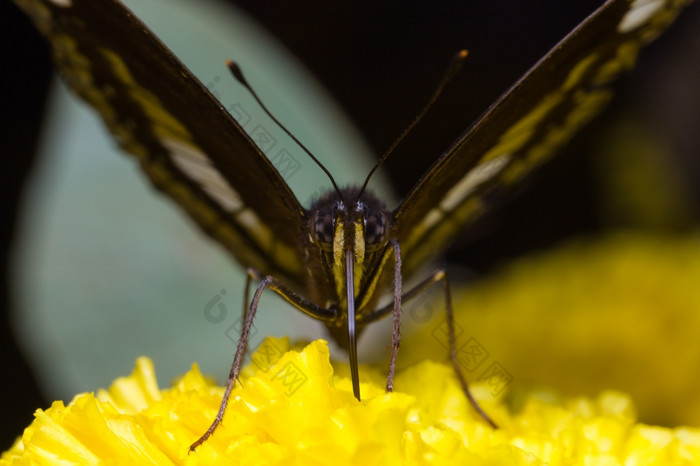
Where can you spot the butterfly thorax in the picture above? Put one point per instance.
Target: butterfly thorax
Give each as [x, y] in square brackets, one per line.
[338, 226]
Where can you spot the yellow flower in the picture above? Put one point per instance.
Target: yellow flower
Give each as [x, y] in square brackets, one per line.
[585, 318]
[290, 408]
[619, 312]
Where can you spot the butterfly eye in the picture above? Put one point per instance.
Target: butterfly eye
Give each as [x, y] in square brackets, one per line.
[322, 228]
[375, 229]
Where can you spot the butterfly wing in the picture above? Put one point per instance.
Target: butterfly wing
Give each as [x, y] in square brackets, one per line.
[562, 92]
[189, 146]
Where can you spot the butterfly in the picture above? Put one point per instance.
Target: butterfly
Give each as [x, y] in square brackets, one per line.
[334, 259]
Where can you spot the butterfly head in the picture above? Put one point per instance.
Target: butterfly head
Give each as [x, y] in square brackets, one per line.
[361, 224]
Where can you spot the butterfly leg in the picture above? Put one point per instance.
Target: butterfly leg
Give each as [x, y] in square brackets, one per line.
[246, 295]
[248, 316]
[249, 312]
[395, 307]
[440, 275]
[437, 276]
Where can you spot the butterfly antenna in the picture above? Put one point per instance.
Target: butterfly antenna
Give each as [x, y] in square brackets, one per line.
[238, 74]
[452, 69]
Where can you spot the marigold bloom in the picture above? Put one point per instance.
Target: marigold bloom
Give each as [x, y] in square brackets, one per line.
[293, 406]
[290, 408]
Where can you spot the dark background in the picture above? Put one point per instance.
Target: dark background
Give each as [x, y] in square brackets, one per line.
[381, 60]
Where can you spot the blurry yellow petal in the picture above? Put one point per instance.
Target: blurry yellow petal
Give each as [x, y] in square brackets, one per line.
[622, 312]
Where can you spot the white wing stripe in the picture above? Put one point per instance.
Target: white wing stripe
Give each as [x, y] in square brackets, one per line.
[190, 161]
[639, 13]
[474, 178]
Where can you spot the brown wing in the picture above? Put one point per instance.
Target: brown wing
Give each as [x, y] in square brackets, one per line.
[186, 142]
[562, 92]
